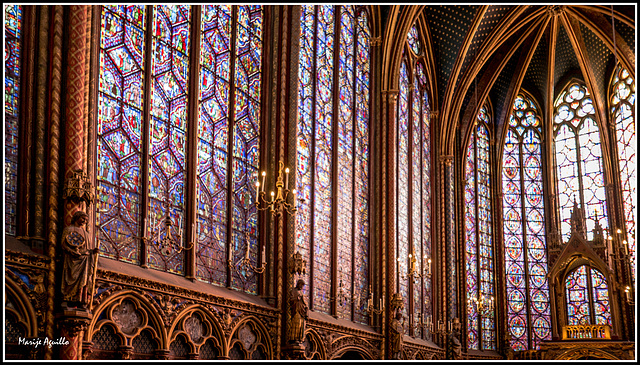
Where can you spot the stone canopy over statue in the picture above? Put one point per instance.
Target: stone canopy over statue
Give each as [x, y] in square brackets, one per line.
[78, 263]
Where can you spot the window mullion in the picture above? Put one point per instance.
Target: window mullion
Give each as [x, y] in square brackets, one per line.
[354, 155]
[592, 316]
[422, 211]
[192, 143]
[410, 95]
[334, 163]
[146, 119]
[312, 158]
[230, 139]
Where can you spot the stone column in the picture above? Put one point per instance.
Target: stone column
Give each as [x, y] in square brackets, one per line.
[72, 324]
[75, 105]
[389, 100]
[449, 246]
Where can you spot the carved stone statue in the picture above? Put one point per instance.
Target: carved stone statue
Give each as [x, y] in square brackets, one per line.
[456, 346]
[508, 350]
[78, 263]
[396, 331]
[299, 313]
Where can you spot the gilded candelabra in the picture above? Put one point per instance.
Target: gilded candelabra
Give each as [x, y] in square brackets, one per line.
[279, 198]
[621, 256]
[484, 303]
[415, 273]
[161, 235]
[167, 245]
[282, 200]
[245, 262]
[370, 309]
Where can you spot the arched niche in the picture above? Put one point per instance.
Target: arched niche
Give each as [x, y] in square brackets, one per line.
[576, 253]
[126, 326]
[197, 328]
[249, 341]
[313, 346]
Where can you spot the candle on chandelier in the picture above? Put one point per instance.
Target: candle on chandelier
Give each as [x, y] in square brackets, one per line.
[257, 190]
[294, 197]
[273, 196]
[264, 257]
[286, 179]
[158, 236]
[264, 176]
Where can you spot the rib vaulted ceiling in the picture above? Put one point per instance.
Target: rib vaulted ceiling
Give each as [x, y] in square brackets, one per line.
[502, 48]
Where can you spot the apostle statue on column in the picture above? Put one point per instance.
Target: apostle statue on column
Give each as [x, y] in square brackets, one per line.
[78, 263]
[396, 331]
[299, 313]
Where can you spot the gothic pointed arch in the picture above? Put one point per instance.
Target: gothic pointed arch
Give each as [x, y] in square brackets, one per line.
[525, 248]
[201, 330]
[20, 315]
[130, 318]
[580, 279]
[478, 234]
[249, 340]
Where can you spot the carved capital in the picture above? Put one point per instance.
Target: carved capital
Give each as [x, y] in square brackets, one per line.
[392, 95]
[72, 322]
[446, 159]
[376, 41]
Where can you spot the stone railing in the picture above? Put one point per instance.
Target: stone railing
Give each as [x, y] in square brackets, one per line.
[586, 332]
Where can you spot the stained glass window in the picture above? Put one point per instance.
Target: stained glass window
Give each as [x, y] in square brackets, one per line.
[587, 296]
[319, 132]
[133, 144]
[413, 215]
[167, 145]
[578, 154]
[120, 126]
[481, 323]
[623, 99]
[413, 40]
[215, 176]
[527, 289]
[13, 33]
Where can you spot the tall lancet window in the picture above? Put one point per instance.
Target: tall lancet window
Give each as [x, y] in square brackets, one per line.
[481, 322]
[333, 157]
[13, 49]
[413, 214]
[146, 130]
[578, 154]
[623, 100]
[228, 137]
[527, 289]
